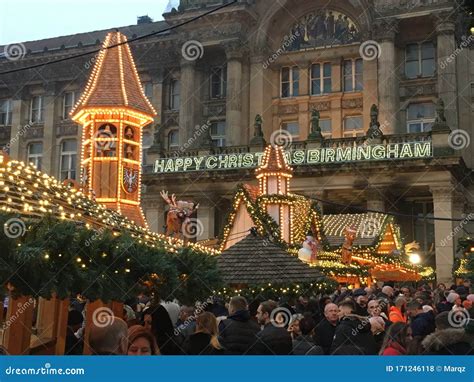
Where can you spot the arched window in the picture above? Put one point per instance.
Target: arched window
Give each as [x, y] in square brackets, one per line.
[420, 117]
[173, 139]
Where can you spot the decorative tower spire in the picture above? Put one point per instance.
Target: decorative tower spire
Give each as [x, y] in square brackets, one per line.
[274, 176]
[113, 111]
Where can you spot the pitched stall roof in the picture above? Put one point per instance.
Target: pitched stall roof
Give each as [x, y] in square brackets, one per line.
[32, 194]
[254, 260]
[369, 227]
[105, 90]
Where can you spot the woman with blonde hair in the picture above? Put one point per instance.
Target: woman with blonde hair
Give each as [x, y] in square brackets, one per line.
[205, 339]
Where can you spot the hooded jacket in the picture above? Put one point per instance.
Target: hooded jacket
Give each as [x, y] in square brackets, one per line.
[237, 333]
[354, 331]
[423, 324]
[449, 342]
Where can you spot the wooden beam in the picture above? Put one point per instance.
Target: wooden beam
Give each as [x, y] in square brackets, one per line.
[61, 328]
[18, 324]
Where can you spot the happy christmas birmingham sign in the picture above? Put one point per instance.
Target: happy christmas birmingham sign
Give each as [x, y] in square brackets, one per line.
[360, 153]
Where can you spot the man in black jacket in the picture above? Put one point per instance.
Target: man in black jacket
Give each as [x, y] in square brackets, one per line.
[421, 323]
[238, 332]
[274, 338]
[353, 331]
[324, 331]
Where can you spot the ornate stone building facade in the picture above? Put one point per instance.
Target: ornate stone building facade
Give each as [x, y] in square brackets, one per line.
[209, 79]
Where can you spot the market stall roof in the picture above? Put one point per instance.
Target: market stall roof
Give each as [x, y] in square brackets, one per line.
[33, 194]
[256, 260]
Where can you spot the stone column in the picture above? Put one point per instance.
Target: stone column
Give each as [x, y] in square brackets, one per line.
[446, 68]
[19, 121]
[154, 213]
[234, 95]
[375, 198]
[50, 161]
[388, 77]
[188, 96]
[444, 247]
[205, 216]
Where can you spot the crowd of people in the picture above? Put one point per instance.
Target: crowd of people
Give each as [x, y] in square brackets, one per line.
[384, 320]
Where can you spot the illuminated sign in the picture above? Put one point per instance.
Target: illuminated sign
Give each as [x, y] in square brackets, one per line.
[392, 151]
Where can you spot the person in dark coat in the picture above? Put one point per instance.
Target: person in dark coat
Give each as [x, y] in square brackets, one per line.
[237, 333]
[324, 331]
[205, 340]
[303, 344]
[162, 329]
[274, 339]
[447, 340]
[421, 323]
[353, 331]
[361, 300]
[74, 345]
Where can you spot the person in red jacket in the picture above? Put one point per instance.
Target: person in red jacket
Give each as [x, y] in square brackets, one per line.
[396, 340]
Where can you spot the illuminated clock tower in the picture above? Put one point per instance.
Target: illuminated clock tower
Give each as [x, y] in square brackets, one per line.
[113, 111]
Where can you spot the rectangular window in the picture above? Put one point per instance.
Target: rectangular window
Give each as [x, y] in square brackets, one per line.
[218, 82]
[35, 154]
[68, 159]
[5, 112]
[420, 117]
[218, 133]
[292, 127]
[353, 75]
[174, 94]
[420, 60]
[289, 82]
[148, 90]
[325, 125]
[36, 109]
[69, 99]
[320, 78]
[353, 126]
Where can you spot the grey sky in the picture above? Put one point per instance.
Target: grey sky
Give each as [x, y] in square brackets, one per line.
[27, 20]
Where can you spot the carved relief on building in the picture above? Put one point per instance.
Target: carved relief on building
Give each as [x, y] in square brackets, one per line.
[323, 27]
[214, 108]
[170, 118]
[352, 103]
[417, 90]
[320, 106]
[66, 129]
[288, 109]
[34, 132]
[392, 6]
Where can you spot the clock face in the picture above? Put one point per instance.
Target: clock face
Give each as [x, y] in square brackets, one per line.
[130, 180]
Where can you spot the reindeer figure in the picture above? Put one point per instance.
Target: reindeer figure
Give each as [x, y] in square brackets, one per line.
[349, 237]
[178, 216]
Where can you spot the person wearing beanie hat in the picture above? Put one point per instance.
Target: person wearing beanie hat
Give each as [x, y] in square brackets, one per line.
[470, 297]
[452, 297]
